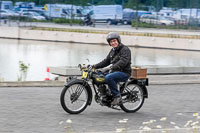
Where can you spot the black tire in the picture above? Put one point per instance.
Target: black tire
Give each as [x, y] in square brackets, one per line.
[72, 94]
[82, 23]
[132, 88]
[125, 22]
[93, 24]
[109, 22]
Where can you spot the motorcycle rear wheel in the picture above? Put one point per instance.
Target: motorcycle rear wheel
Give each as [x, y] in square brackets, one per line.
[74, 98]
[134, 100]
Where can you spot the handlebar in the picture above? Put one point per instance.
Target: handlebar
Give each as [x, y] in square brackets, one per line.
[88, 67]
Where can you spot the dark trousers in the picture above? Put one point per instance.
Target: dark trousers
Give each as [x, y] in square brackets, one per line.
[113, 78]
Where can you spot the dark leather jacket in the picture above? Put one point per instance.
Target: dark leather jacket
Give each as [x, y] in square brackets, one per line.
[119, 57]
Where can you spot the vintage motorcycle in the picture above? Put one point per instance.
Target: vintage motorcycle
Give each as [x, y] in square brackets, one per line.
[87, 22]
[77, 93]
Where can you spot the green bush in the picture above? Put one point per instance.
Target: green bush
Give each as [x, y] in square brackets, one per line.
[23, 71]
[21, 18]
[57, 20]
[147, 25]
[34, 20]
[63, 20]
[24, 19]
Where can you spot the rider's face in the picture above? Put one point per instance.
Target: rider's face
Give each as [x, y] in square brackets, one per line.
[114, 43]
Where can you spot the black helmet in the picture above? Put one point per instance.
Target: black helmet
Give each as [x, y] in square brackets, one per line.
[113, 35]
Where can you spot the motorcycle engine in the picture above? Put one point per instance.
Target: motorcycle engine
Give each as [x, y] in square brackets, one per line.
[102, 89]
[104, 97]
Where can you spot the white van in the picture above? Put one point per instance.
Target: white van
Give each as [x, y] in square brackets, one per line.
[6, 5]
[53, 11]
[61, 10]
[112, 14]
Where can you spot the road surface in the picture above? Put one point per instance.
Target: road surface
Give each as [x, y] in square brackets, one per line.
[38, 110]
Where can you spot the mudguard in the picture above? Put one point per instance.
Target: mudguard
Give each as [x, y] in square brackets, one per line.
[142, 83]
[79, 81]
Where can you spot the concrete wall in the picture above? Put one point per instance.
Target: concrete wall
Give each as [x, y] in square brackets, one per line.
[141, 41]
[9, 32]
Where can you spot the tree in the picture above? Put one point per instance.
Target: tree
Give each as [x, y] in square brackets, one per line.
[106, 2]
[130, 4]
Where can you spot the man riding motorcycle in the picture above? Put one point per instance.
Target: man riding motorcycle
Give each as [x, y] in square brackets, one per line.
[88, 20]
[119, 58]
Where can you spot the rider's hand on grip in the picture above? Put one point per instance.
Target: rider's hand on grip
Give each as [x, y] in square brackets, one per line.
[90, 67]
[106, 69]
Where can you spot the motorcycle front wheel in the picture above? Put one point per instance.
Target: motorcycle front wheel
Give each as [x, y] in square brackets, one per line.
[74, 98]
[134, 98]
[82, 23]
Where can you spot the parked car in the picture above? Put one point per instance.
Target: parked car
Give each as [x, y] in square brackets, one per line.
[41, 12]
[128, 17]
[181, 21]
[194, 22]
[154, 19]
[178, 21]
[33, 15]
[7, 13]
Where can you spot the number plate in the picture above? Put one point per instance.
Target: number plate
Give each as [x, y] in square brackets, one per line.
[84, 75]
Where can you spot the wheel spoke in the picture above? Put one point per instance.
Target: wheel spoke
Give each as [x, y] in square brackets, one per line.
[70, 92]
[80, 100]
[128, 89]
[79, 90]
